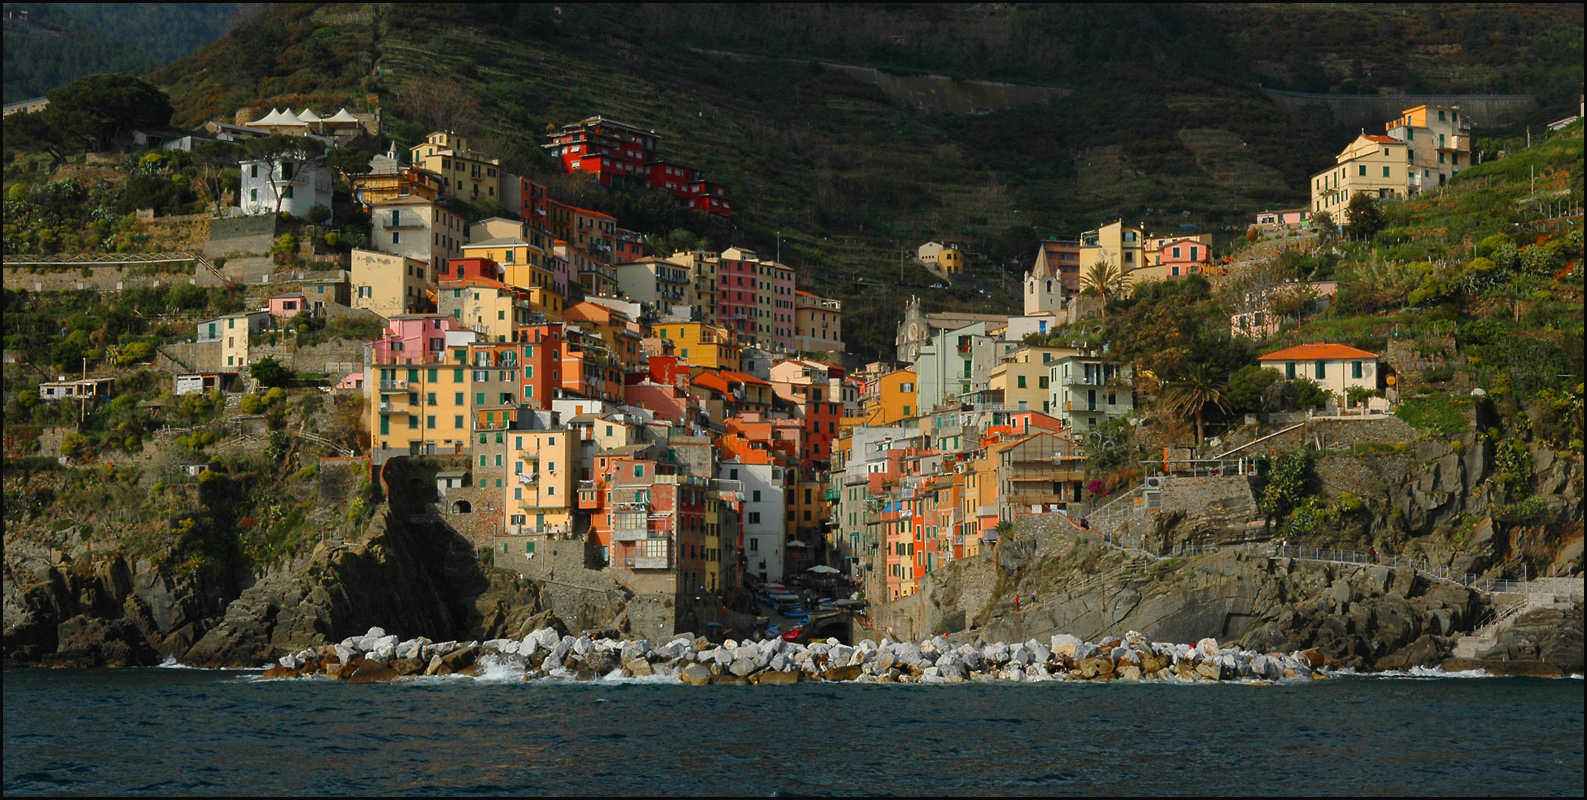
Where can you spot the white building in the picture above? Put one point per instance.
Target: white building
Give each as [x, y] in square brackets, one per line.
[414, 227]
[763, 509]
[302, 187]
[1089, 390]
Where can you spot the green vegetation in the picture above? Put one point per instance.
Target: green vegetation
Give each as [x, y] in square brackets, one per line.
[1439, 414]
[849, 174]
[62, 42]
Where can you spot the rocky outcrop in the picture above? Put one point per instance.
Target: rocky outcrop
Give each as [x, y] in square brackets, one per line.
[99, 610]
[1371, 617]
[397, 575]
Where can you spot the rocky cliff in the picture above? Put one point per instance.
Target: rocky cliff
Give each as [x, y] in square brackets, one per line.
[99, 610]
[1047, 578]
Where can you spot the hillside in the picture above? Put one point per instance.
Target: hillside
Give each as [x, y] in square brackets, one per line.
[60, 42]
[1138, 121]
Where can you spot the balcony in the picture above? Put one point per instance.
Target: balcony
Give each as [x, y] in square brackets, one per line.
[1113, 379]
[393, 387]
[539, 530]
[630, 534]
[649, 562]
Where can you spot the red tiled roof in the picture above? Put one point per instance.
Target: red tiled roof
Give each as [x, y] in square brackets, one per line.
[1373, 137]
[741, 377]
[1316, 352]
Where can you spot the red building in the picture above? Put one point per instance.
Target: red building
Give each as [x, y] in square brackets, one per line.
[738, 296]
[465, 268]
[625, 156]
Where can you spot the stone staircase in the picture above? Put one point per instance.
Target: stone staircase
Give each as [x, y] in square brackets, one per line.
[1540, 593]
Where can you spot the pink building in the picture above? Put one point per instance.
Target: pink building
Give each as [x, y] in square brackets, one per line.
[415, 339]
[559, 274]
[1181, 257]
[288, 305]
[1284, 218]
[666, 401]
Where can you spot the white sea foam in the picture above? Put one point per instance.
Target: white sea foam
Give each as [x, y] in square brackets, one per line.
[1414, 673]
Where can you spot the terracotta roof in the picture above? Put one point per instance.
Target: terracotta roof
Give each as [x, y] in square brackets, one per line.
[476, 281]
[1373, 137]
[741, 377]
[1316, 352]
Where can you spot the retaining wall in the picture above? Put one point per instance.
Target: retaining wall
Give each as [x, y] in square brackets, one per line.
[1372, 110]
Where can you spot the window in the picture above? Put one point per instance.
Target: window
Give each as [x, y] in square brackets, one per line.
[287, 194]
[253, 194]
[1385, 172]
[1289, 370]
[429, 421]
[754, 518]
[1361, 170]
[1322, 370]
[396, 237]
[1355, 369]
[457, 421]
[1022, 381]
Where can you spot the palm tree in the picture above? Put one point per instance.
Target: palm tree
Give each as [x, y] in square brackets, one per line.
[1195, 391]
[1106, 279]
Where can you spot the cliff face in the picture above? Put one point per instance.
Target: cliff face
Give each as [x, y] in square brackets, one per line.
[394, 577]
[1370, 617]
[414, 578]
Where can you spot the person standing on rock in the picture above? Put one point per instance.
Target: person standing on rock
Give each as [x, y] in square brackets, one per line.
[1016, 603]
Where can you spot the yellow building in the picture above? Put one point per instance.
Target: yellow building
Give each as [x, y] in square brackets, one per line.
[466, 174]
[895, 398]
[1375, 165]
[951, 260]
[700, 345]
[540, 492]
[1023, 377]
[713, 542]
[490, 308]
[1123, 246]
[524, 263]
[702, 294]
[390, 284]
[421, 408]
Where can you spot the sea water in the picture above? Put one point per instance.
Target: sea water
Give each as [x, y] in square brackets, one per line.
[169, 731]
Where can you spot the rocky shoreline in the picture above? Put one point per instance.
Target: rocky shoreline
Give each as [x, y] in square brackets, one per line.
[544, 653]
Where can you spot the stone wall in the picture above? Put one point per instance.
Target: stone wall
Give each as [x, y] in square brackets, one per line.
[1372, 110]
[244, 234]
[100, 277]
[337, 357]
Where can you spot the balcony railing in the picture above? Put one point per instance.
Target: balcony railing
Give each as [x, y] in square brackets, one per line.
[393, 386]
[650, 562]
[1114, 379]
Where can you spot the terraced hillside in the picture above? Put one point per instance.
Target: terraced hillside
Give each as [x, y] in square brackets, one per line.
[1135, 120]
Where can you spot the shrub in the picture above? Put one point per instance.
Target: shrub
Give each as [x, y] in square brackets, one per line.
[1441, 414]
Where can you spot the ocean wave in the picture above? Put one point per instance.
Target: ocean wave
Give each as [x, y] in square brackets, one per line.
[1414, 673]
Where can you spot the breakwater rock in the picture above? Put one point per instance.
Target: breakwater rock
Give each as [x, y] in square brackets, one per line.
[377, 656]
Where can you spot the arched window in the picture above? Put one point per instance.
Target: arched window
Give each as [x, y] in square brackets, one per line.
[462, 507]
[1049, 287]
